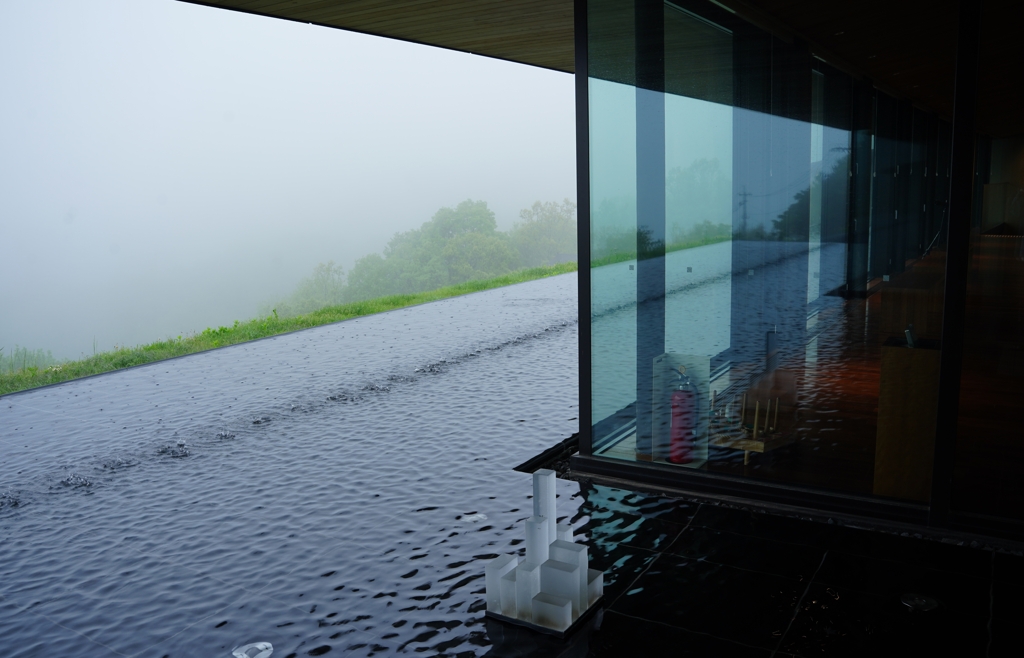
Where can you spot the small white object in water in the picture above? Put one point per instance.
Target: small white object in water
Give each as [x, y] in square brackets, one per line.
[473, 518]
[254, 650]
[554, 586]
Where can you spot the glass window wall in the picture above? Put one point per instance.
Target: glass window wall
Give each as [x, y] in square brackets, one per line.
[766, 256]
[989, 462]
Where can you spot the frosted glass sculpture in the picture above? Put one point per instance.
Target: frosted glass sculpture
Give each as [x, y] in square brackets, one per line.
[497, 568]
[508, 594]
[552, 611]
[562, 579]
[554, 586]
[575, 554]
[564, 531]
[537, 539]
[527, 587]
[544, 499]
[595, 585]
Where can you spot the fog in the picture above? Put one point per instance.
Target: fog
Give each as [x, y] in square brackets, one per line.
[165, 167]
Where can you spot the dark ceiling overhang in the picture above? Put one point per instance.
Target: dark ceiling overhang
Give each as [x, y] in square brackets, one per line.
[907, 48]
[535, 32]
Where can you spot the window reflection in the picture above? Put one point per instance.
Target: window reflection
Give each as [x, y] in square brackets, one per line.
[795, 240]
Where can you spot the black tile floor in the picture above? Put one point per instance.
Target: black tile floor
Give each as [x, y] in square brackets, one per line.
[696, 579]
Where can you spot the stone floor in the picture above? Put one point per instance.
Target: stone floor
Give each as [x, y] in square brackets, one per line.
[696, 579]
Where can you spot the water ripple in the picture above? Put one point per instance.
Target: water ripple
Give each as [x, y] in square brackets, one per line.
[333, 491]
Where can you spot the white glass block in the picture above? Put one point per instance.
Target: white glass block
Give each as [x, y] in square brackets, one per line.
[562, 579]
[527, 587]
[544, 499]
[552, 611]
[493, 572]
[595, 585]
[575, 554]
[508, 594]
[563, 531]
[537, 539]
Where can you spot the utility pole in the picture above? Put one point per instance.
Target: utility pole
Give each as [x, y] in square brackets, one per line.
[744, 194]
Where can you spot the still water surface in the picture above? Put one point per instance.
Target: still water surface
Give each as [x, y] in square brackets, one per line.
[332, 491]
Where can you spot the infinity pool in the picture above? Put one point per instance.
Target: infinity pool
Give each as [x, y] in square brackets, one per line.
[333, 491]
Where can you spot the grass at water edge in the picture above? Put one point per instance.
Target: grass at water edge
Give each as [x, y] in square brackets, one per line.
[242, 332]
[625, 256]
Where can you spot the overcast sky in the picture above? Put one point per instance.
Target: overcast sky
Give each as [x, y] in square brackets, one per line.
[166, 167]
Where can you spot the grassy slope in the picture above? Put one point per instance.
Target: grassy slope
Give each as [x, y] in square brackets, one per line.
[251, 330]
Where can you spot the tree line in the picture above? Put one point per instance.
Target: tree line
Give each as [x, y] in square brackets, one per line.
[698, 211]
[456, 245]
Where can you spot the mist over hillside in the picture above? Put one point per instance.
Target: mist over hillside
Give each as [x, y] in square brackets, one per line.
[168, 167]
[457, 245]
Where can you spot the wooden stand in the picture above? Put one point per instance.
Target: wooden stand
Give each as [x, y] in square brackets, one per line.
[772, 400]
[751, 445]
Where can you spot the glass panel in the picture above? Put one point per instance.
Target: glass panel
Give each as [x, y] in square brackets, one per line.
[698, 218]
[989, 455]
[786, 240]
[883, 190]
[613, 255]
[612, 100]
[817, 162]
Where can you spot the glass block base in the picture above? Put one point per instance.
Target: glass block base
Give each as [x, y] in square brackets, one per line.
[581, 621]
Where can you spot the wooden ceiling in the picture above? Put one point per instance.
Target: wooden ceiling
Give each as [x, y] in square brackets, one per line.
[537, 32]
[905, 47]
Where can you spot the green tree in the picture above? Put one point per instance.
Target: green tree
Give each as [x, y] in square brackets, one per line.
[477, 256]
[546, 235]
[792, 224]
[468, 217]
[458, 244]
[696, 197]
[614, 230]
[325, 287]
[368, 279]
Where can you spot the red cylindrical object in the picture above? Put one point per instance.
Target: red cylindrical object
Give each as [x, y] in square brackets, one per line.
[684, 426]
